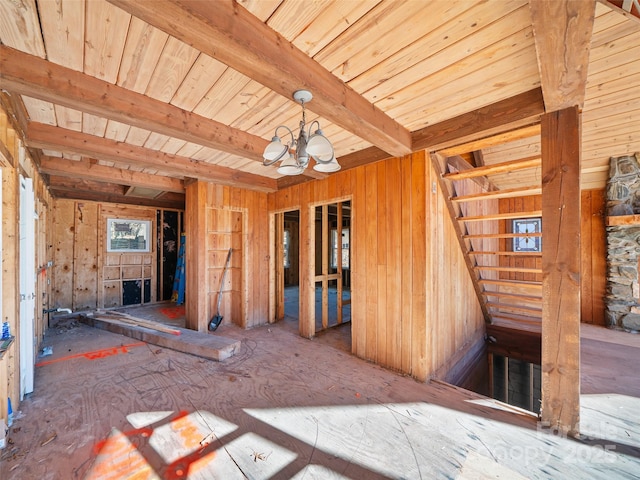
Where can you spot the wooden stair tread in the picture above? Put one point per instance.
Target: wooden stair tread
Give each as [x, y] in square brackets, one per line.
[515, 325]
[505, 253]
[528, 319]
[509, 269]
[503, 235]
[504, 167]
[513, 308]
[506, 193]
[515, 296]
[501, 216]
[511, 283]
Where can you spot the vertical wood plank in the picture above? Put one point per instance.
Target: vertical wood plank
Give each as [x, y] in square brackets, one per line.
[586, 298]
[370, 252]
[406, 262]
[85, 256]
[393, 227]
[422, 197]
[382, 267]
[196, 307]
[598, 255]
[561, 270]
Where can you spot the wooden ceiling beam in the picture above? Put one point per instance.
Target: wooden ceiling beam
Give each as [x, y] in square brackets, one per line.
[33, 76]
[229, 33]
[116, 198]
[562, 30]
[48, 137]
[74, 184]
[89, 171]
[511, 113]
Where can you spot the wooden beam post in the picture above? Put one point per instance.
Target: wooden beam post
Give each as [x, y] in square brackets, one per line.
[196, 287]
[561, 270]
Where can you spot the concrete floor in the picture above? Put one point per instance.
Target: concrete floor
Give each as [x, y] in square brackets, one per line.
[106, 406]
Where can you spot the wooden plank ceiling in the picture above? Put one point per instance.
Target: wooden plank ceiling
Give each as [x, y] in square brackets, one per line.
[140, 95]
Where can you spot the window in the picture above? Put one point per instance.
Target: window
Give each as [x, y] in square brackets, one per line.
[128, 235]
[524, 242]
[345, 248]
[287, 244]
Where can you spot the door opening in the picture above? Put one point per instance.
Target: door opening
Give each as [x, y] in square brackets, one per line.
[332, 265]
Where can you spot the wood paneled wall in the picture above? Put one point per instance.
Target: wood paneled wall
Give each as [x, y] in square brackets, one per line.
[413, 304]
[84, 276]
[593, 243]
[14, 159]
[218, 217]
[593, 246]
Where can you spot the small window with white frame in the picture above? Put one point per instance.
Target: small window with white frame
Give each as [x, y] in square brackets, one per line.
[128, 235]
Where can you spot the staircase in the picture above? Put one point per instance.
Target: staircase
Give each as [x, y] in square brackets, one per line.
[505, 269]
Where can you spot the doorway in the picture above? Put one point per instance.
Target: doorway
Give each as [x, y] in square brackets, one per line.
[27, 286]
[288, 267]
[332, 265]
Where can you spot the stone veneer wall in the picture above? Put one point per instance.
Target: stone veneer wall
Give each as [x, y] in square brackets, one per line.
[622, 298]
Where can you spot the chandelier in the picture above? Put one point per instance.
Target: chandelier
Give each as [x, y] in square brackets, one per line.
[294, 156]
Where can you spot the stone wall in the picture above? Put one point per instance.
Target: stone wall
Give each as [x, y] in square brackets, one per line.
[622, 297]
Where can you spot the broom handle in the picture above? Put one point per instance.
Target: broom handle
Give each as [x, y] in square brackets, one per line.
[224, 274]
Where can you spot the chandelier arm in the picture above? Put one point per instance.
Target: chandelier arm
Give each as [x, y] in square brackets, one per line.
[285, 151]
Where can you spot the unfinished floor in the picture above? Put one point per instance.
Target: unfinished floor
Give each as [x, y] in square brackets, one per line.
[106, 405]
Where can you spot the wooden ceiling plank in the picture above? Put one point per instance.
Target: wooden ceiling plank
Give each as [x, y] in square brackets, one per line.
[142, 50]
[46, 136]
[20, 27]
[522, 109]
[204, 73]
[29, 75]
[174, 64]
[105, 36]
[89, 171]
[451, 42]
[562, 31]
[234, 36]
[334, 19]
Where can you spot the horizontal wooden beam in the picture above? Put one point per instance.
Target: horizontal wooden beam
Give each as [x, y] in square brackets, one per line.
[33, 76]
[235, 37]
[87, 170]
[43, 136]
[521, 110]
[95, 196]
[623, 220]
[505, 167]
[520, 344]
[493, 140]
[516, 308]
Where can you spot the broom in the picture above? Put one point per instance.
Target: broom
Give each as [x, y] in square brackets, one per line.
[217, 318]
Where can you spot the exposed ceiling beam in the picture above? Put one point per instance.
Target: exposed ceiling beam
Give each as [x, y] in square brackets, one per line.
[229, 33]
[98, 196]
[515, 113]
[87, 170]
[30, 75]
[562, 30]
[521, 110]
[47, 137]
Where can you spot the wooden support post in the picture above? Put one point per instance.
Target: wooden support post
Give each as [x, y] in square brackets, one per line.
[196, 287]
[561, 270]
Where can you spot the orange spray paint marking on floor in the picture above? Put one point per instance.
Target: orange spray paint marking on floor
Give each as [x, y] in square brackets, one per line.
[94, 355]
